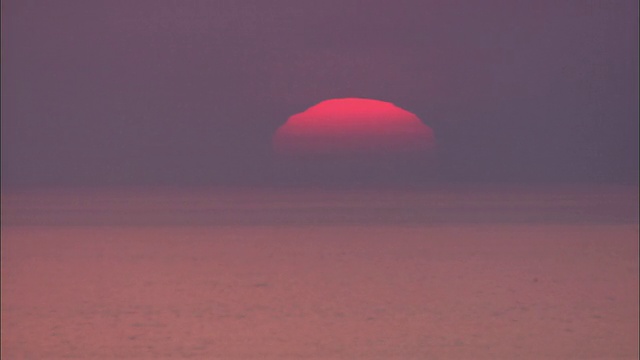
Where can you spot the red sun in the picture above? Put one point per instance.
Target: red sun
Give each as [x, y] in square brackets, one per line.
[353, 126]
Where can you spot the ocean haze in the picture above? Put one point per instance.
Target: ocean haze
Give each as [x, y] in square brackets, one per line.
[323, 207]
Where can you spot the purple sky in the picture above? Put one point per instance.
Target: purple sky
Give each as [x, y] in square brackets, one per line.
[190, 92]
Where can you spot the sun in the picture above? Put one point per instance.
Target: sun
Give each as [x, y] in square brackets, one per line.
[353, 126]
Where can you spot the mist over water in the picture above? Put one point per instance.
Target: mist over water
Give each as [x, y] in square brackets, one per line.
[308, 206]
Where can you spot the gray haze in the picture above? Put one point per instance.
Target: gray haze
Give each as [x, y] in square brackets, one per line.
[158, 92]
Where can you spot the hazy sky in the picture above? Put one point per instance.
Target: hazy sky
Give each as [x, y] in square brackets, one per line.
[190, 92]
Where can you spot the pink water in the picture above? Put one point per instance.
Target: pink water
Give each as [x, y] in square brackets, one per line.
[334, 290]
